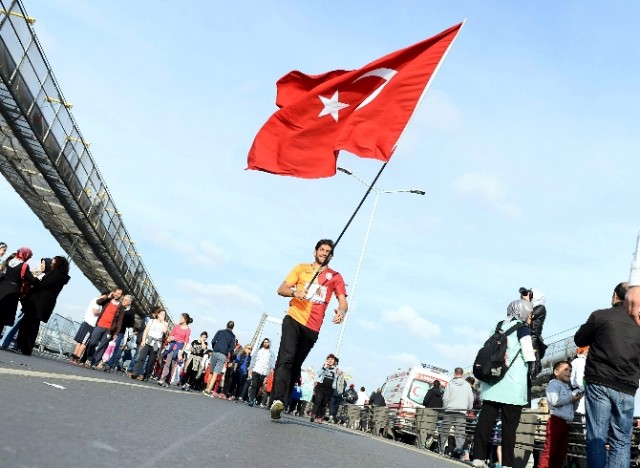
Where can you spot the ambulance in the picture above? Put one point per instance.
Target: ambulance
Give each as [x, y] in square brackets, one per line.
[404, 391]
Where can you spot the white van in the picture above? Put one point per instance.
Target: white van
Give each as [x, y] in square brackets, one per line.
[404, 391]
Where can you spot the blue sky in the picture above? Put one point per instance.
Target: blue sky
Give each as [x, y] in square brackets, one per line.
[525, 144]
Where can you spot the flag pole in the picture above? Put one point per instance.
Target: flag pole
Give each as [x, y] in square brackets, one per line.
[353, 215]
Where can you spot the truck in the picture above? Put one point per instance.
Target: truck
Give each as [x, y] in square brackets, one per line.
[403, 392]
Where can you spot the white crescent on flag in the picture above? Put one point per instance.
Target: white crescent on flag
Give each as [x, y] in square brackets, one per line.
[385, 73]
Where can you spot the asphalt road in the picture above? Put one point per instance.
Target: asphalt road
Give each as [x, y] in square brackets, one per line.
[106, 420]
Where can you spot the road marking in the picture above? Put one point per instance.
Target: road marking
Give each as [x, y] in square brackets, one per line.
[51, 375]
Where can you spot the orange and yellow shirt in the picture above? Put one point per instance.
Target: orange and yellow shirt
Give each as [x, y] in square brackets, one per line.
[310, 312]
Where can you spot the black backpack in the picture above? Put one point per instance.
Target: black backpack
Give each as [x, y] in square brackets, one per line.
[490, 365]
[350, 395]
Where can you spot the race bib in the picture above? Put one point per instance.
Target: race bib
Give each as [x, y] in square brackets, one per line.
[317, 293]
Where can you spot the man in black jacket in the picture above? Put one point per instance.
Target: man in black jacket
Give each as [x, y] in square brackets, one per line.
[612, 373]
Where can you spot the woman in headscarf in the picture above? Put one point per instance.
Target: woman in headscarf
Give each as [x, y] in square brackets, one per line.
[44, 268]
[14, 284]
[40, 301]
[511, 393]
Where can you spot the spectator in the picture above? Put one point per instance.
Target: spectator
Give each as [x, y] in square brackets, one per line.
[294, 400]
[222, 344]
[40, 301]
[561, 401]
[178, 339]
[542, 416]
[109, 321]
[194, 364]
[477, 403]
[363, 398]
[457, 400]
[433, 398]
[511, 393]
[308, 379]
[240, 373]
[86, 328]
[151, 343]
[262, 365]
[339, 386]
[324, 389]
[611, 373]
[3, 250]
[577, 377]
[38, 273]
[15, 283]
[128, 322]
[350, 395]
[301, 326]
[376, 398]
[268, 389]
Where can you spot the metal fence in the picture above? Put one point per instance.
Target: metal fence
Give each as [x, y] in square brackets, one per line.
[425, 431]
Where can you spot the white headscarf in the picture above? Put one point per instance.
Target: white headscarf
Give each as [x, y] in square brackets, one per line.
[538, 297]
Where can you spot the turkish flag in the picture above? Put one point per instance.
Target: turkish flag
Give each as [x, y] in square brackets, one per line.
[361, 111]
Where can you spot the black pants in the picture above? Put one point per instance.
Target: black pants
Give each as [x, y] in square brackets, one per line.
[484, 428]
[256, 384]
[144, 352]
[321, 398]
[295, 344]
[29, 328]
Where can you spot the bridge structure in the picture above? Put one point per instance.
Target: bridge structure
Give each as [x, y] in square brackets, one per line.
[46, 159]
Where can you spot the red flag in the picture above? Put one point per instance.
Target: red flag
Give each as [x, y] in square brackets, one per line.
[361, 111]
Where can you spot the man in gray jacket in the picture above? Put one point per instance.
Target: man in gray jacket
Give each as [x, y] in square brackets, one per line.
[457, 400]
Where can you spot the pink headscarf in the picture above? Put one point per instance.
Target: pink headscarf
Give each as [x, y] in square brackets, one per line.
[24, 254]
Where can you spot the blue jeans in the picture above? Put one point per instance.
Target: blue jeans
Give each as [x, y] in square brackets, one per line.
[8, 337]
[609, 417]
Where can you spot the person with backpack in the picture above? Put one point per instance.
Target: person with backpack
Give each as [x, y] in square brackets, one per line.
[505, 386]
[350, 395]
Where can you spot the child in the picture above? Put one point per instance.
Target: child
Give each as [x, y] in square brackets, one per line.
[561, 401]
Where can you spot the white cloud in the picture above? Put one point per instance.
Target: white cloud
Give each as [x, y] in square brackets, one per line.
[198, 252]
[440, 112]
[458, 355]
[404, 360]
[411, 322]
[489, 186]
[466, 332]
[368, 325]
[219, 294]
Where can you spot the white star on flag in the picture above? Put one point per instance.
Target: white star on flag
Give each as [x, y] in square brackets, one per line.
[332, 106]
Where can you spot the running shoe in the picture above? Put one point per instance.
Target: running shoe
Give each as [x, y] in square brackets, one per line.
[276, 409]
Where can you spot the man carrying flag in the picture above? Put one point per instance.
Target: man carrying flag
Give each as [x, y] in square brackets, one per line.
[310, 287]
[361, 111]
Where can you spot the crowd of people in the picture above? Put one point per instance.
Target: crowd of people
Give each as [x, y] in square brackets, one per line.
[598, 387]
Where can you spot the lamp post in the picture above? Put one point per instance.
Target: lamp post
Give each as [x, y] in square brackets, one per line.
[378, 192]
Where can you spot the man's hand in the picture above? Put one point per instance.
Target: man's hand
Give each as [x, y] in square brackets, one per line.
[632, 303]
[338, 317]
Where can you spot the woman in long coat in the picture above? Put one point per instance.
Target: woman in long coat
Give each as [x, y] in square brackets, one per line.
[16, 274]
[40, 301]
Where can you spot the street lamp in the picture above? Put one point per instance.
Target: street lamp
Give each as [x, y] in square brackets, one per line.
[378, 192]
